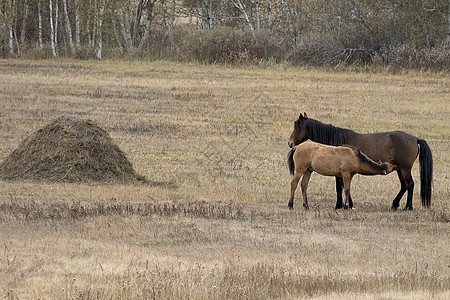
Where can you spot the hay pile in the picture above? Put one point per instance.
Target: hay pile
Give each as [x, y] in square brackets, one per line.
[69, 150]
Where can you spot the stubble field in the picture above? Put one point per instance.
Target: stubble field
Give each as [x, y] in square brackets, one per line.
[213, 222]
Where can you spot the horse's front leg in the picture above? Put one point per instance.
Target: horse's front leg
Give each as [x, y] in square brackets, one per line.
[339, 184]
[304, 185]
[294, 183]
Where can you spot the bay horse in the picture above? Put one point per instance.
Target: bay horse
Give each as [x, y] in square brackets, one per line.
[397, 147]
[343, 161]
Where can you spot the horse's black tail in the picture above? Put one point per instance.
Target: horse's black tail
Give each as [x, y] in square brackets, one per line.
[426, 172]
[290, 161]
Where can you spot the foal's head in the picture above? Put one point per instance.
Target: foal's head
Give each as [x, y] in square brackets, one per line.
[299, 134]
[389, 167]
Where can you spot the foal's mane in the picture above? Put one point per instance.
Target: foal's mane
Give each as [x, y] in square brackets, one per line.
[327, 133]
[363, 158]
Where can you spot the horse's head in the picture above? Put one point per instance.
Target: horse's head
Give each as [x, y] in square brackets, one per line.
[299, 134]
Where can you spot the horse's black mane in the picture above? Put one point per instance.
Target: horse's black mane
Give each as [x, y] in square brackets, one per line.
[327, 133]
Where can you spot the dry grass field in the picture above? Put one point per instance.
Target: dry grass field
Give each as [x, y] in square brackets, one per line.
[213, 222]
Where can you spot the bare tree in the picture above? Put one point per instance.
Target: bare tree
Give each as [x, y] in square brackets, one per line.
[125, 30]
[137, 23]
[99, 52]
[447, 38]
[245, 10]
[148, 23]
[8, 19]
[40, 39]
[78, 20]
[68, 28]
[171, 21]
[207, 17]
[269, 14]
[258, 18]
[24, 23]
[54, 27]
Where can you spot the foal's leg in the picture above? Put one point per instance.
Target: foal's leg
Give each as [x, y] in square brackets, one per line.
[294, 183]
[347, 178]
[304, 185]
[339, 184]
[396, 202]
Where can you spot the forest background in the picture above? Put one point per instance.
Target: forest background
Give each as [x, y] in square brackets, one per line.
[405, 33]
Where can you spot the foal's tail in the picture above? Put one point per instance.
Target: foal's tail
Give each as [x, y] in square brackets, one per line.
[290, 161]
[426, 172]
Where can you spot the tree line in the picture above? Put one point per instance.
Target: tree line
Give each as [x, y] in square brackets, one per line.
[298, 31]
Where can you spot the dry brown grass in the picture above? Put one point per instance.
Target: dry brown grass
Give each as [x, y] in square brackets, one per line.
[214, 223]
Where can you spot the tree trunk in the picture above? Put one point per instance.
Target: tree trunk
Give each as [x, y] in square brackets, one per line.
[9, 17]
[137, 23]
[56, 24]
[78, 30]
[24, 24]
[258, 21]
[11, 39]
[117, 36]
[126, 31]
[91, 24]
[206, 15]
[99, 53]
[148, 24]
[40, 40]
[68, 28]
[53, 30]
[447, 38]
[171, 21]
[243, 9]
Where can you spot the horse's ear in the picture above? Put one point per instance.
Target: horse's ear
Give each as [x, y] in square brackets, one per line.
[300, 118]
[306, 116]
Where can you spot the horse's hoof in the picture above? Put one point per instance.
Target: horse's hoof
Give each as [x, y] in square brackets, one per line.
[291, 206]
[338, 207]
[305, 206]
[408, 208]
[393, 208]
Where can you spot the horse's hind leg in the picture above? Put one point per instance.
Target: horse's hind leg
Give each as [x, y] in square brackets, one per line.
[304, 185]
[410, 188]
[403, 188]
[350, 201]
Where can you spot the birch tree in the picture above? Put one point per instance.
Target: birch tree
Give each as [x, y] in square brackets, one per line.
[244, 8]
[171, 21]
[68, 28]
[99, 52]
[148, 23]
[24, 23]
[447, 38]
[40, 29]
[137, 23]
[54, 27]
[8, 14]
[78, 20]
